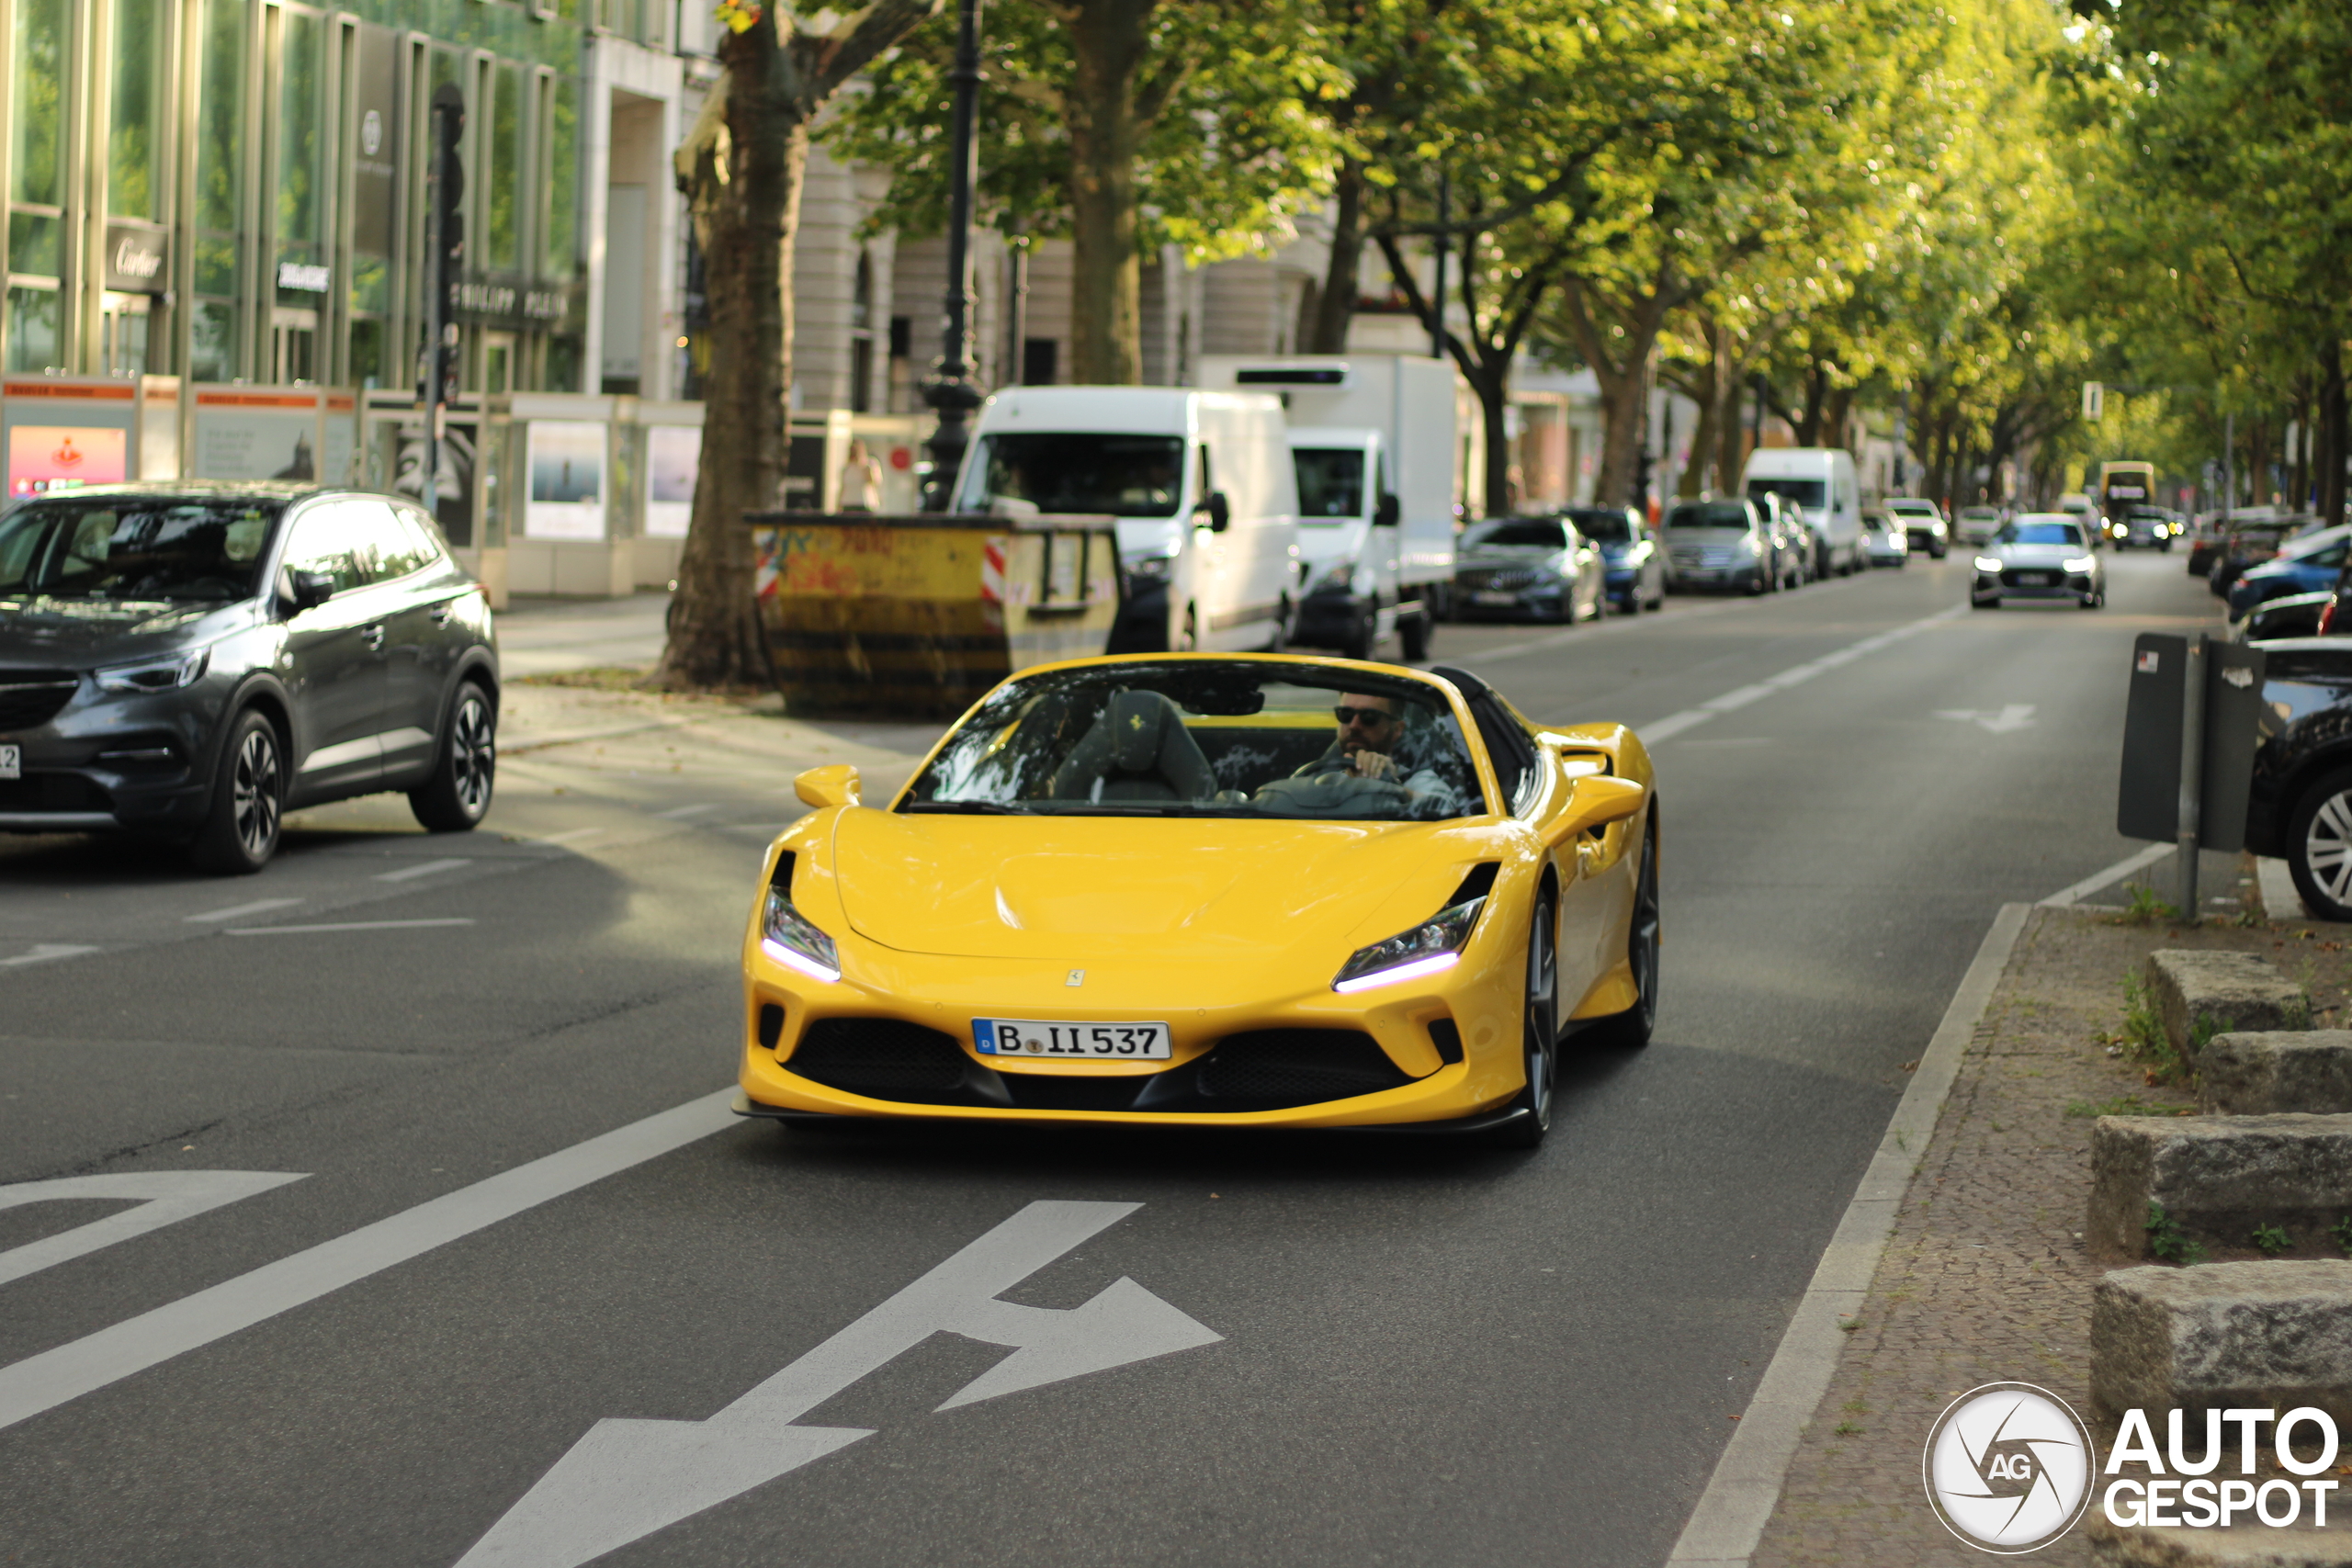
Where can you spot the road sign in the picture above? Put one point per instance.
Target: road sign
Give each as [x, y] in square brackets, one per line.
[2094, 401]
[627, 1479]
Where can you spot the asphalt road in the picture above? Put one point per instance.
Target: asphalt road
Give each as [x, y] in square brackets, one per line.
[1423, 1354]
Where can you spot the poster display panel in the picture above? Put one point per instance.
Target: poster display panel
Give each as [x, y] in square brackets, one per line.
[566, 499]
[257, 434]
[673, 456]
[44, 457]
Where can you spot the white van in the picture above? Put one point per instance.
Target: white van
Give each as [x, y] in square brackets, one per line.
[1822, 480]
[1201, 483]
[1374, 439]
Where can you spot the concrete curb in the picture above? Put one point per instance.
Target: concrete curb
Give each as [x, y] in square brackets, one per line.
[1740, 1495]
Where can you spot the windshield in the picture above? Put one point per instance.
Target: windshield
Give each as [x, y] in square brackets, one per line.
[1708, 514]
[136, 548]
[1126, 475]
[1330, 482]
[1804, 493]
[1518, 533]
[1206, 737]
[2041, 534]
[1603, 523]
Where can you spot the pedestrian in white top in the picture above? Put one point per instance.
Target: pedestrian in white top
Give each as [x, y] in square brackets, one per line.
[860, 480]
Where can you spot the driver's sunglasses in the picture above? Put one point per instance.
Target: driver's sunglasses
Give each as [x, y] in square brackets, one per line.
[1347, 716]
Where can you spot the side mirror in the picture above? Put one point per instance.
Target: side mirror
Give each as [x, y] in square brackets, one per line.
[1220, 511]
[835, 785]
[1595, 801]
[1387, 512]
[300, 591]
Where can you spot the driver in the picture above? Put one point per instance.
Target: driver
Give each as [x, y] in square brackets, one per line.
[1370, 728]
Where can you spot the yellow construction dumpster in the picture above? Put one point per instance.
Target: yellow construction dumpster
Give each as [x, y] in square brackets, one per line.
[915, 616]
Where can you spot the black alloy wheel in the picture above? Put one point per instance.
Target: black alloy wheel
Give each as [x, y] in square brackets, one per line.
[1630, 1030]
[456, 796]
[242, 826]
[2319, 846]
[1539, 1036]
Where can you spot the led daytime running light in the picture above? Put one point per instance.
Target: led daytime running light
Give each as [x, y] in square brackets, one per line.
[1431, 948]
[787, 936]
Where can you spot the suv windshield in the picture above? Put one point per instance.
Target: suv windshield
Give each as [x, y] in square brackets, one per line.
[1206, 737]
[1603, 523]
[2041, 534]
[136, 548]
[1126, 475]
[1540, 532]
[1708, 514]
[1330, 482]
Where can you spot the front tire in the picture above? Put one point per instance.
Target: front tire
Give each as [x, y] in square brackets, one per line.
[2319, 846]
[456, 796]
[1539, 1037]
[242, 826]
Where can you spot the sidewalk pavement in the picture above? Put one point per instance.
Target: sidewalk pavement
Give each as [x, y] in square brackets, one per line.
[547, 637]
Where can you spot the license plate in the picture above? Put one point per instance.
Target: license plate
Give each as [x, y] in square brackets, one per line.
[12, 763]
[1492, 597]
[1090, 1041]
[2036, 579]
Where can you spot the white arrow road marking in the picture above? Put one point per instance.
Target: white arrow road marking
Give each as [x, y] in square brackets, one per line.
[2017, 715]
[171, 1196]
[627, 1479]
[42, 952]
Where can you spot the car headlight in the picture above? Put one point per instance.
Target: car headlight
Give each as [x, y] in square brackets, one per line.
[2080, 563]
[1338, 578]
[1754, 545]
[1987, 563]
[167, 674]
[1429, 948]
[787, 936]
[1151, 569]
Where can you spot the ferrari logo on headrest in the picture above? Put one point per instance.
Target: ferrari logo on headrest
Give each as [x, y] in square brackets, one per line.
[1134, 721]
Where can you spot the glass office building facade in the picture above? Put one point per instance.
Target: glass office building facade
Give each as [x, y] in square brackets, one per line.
[233, 190]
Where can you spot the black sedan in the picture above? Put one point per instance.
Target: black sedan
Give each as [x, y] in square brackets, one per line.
[193, 660]
[1541, 566]
[2300, 807]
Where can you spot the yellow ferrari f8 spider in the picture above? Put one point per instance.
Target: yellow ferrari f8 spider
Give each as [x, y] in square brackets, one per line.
[1212, 890]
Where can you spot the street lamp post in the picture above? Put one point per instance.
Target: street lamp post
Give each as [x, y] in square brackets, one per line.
[950, 391]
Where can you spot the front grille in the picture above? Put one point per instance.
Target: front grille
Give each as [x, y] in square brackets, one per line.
[882, 1058]
[52, 792]
[28, 697]
[1276, 1068]
[2034, 577]
[1507, 578]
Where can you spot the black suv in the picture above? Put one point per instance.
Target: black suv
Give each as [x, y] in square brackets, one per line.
[192, 660]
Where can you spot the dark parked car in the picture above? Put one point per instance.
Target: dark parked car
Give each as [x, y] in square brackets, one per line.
[2300, 807]
[1529, 565]
[2249, 544]
[193, 660]
[2297, 614]
[2302, 566]
[1633, 563]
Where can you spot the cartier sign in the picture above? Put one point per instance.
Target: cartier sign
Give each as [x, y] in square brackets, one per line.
[135, 259]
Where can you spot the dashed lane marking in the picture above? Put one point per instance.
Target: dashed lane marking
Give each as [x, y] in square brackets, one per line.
[238, 911]
[428, 868]
[344, 926]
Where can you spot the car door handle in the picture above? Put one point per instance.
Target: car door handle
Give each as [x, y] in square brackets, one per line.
[373, 637]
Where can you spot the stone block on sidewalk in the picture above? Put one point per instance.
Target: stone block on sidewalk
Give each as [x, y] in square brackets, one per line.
[2206, 994]
[2258, 1074]
[2267, 1336]
[2217, 1178]
[2240, 1546]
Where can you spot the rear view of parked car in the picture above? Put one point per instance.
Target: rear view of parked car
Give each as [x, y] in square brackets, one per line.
[194, 659]
[1541, 566]
[2299, 805]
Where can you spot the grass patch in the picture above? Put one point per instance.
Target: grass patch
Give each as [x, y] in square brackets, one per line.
[2146, 908]
[2271, 1240]
[2342, 1233]
[2144, 1039]
[2123, 1105]
[2168, 1240]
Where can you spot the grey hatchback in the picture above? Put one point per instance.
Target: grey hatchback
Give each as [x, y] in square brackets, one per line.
[195, 659]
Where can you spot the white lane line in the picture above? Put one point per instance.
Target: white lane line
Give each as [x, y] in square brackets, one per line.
[166, 1197]
[684, 811]
[42, 952]
[573, 837]
[1666, 728]
[2115, 872]
[51, 1378]
[1569, 636]
[343, 926]
[409, 873]
[1729, 1520]
[258, 906]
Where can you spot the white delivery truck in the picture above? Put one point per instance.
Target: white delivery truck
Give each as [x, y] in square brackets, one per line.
[1201, 484]
[1822, 480]
[1374, 437]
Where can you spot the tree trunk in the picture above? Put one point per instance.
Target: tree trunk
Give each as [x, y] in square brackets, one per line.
[1693, 481]
[1837, 414]
[2329, 428]
[1335, 307]
[741, 172]
[1108, 39]
[1623, 379]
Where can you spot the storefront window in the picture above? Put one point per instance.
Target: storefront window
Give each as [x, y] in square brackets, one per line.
[301, 148]
[219, 142]
[37, 104]
[366, 352]
[505, 167]
[133, 150]
[33, 242]
[560, 179]
[32, 329]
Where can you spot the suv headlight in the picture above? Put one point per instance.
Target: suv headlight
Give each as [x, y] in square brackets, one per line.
[1150, 569]
[2080, 563]
[787, 936]
[168, 674]
[1431, 948]
[1987, 563]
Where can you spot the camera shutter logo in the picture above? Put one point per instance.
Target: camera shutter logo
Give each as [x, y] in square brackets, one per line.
[2008, 1467]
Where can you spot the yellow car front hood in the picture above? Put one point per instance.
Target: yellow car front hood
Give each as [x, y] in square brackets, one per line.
[1157, 888]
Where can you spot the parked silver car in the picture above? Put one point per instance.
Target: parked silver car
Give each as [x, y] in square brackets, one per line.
[1543, 567]
[1722, 543]
[2041, 555]
[1885, 541]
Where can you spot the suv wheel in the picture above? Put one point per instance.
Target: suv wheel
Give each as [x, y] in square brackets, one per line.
[241, 827]
[456, 796]
[2319, 846]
